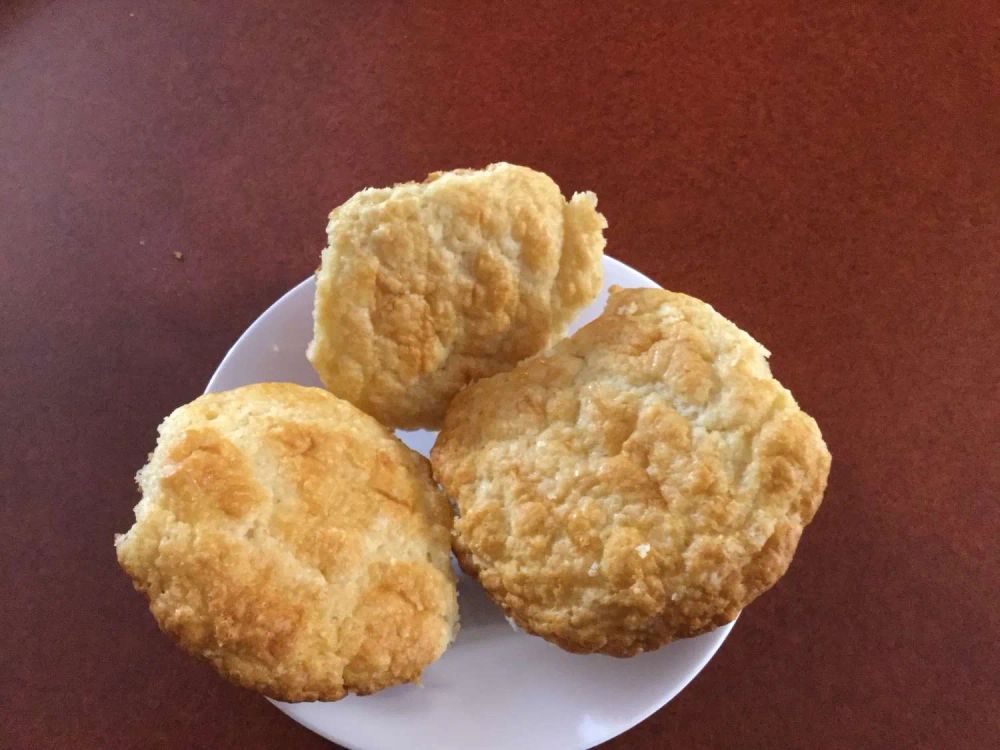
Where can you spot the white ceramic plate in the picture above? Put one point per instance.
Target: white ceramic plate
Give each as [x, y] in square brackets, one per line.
[494, 688]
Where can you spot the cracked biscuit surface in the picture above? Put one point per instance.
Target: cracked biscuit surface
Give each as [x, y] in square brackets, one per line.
[425, 287]
[639, 482]
[293, 543]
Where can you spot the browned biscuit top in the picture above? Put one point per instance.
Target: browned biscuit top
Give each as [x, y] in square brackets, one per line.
[294, 543]
[641, 481]
[425, 287]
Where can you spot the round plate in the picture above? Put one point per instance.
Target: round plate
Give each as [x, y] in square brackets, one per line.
[494, 688]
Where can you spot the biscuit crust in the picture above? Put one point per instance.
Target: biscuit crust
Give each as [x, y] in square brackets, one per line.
[293, 543]
[639, 482]
[425, 287]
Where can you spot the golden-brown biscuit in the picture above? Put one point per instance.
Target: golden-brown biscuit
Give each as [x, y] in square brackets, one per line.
[294, 543]
[425, 287]
[639, 482]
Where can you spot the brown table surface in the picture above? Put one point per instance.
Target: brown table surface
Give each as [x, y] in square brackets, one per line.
[828, 178]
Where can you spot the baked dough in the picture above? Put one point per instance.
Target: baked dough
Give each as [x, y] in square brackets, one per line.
[425, 287]
[293, 543]
[642, 481]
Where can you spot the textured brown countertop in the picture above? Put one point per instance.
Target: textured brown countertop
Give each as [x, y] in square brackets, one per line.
[829, 179]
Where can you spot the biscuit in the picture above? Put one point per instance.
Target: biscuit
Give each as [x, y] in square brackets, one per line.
[426, 287]
[641, 481]
[293, 543]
